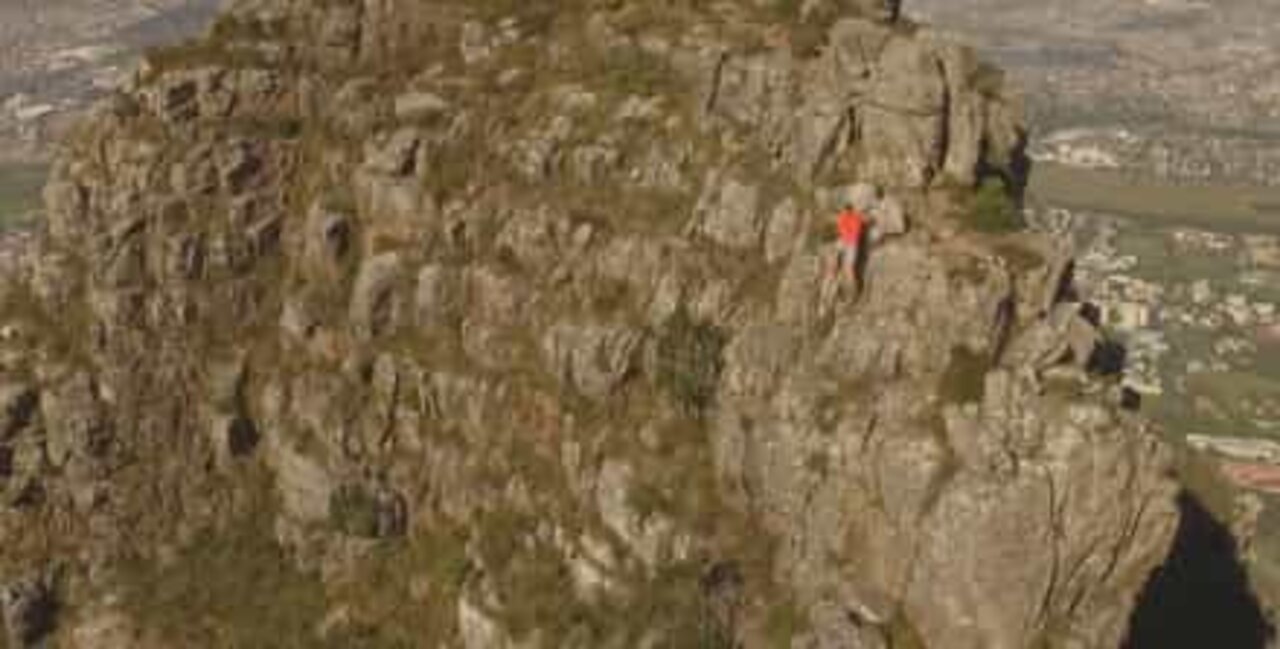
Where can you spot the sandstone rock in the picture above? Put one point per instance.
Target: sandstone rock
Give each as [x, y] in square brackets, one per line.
[305, 485]
[396, 155]
[1062, 336]
[328, 240]
[785, 233]
[646, 537]
[592, 359]
[419, 106]
[73, 421]
[730, 213]
[439, 298]
[479, 630]
[890, 218]
[376, 304]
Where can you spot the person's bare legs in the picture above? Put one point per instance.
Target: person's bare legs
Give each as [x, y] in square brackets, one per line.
[851, 255]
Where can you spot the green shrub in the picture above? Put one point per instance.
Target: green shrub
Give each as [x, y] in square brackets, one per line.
[784, 621]
[993, 209]
[634, 71]
[690, 359]
[232, 586]
[353, 510]
[965, 377]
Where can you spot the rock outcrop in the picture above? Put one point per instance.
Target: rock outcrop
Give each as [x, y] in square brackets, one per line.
[511, 326]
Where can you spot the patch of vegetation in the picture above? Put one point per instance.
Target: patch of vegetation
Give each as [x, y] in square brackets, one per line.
[671, 596]
[690, 359]
[1019, 257]
[504, 532]
[233, 586]
[539, 596]
[199, 54]
[993, 209]
[964, 379]
[406, 594]
[988, 80]
[648, 499]
[633, 71]
[20, 187]
[818, 463]
[230, 26]
[784, 622]
[903, 633]
[278, 128]
[353, 510]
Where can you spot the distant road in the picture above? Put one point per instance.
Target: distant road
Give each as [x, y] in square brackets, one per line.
[1216, 206]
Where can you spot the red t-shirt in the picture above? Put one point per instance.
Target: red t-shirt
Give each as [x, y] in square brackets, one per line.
[849, 224]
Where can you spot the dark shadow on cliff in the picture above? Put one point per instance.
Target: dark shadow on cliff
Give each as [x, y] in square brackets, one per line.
[1201, 596]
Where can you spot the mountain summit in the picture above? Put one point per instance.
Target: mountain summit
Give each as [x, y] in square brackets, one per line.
[396, 323]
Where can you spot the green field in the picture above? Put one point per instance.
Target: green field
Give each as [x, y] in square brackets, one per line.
[1217, 206]
[20, 187]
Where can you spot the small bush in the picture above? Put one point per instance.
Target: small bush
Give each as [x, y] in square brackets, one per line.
[690, 359]
[784, 622]
[965, 377]
[992, 209]
[232, 586]
[635, 71]
[353, 510]
[988, 80]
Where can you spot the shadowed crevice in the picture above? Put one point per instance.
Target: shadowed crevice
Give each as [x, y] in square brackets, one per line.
[1201, 596]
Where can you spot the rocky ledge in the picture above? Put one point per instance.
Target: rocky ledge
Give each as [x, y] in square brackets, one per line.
[501, 324]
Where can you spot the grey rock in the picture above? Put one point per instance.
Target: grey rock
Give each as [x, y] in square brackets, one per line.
[74, 424]
[305, 484]
[328, 240]
[395, 155]
[730, 213]
[1062, 336]
[833, 627]
[420, 106]
[439, 299]
[890, 218]
[646, 537]
[377, 306]
[593, 359]
[785, 234]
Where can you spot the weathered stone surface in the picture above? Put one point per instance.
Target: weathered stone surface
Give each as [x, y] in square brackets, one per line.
[73, 420]
[439, 298]
[731, 214]
[592, 359]
[377, 305]
[576, 342]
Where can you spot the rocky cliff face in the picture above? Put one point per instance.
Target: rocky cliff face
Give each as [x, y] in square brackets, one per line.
[407, 323]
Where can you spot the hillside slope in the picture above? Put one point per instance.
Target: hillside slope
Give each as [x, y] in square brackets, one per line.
[401, 323]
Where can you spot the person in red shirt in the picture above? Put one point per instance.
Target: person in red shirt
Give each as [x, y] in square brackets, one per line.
[851, 226]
